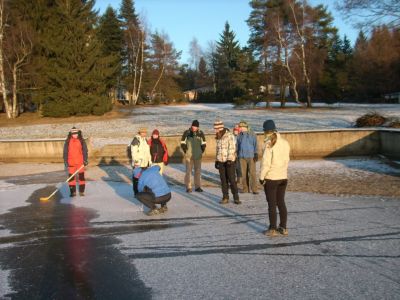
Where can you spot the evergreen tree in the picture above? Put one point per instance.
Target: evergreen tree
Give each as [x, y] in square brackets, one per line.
[74, 71]
[111, 36]
[229, 81]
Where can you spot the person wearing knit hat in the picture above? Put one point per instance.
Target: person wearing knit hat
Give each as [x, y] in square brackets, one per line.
[139, 152]
[158, 150]
[225, 161]
[236, 132]
[248, 156]
[273, 176]
[75, 155]
[193, 145]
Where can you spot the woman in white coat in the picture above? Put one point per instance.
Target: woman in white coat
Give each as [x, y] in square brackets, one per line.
[273, 177]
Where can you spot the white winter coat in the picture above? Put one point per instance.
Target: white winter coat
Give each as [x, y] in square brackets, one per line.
[275, 159]
[140, 150]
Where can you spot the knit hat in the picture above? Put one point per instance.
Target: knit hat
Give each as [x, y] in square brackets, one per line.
[218, 124]
[74, 130]
[196, 123]
[269, 125]
[243, 124]
[142, 129]
[155, 131]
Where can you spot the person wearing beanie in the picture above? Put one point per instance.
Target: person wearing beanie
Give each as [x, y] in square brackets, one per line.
[75, 155]
[193, 145]
[158, 150]
[248, 156]
[273, 176]
[139, 151]
[226, 161]
[236, 132]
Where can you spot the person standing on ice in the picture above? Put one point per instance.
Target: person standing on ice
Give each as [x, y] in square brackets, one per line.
[248, 156]
[75, 155]
[226, 161]
[236, 132]
[158, 150]
[152, 189]
[140, 153]
[273, 176]
[193, 144]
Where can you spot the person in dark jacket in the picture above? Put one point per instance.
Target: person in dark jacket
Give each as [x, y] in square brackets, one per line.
[75, 155]
[158, 150]
[193, 144]
[152, 189]
[248, 156]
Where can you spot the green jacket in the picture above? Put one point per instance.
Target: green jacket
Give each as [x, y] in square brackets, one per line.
[193, 144]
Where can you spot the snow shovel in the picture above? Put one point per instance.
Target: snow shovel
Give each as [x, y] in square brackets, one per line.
[52, 194]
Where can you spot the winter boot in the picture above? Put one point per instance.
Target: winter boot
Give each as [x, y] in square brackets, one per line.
[153, 212]
[163, 208]
[224, 200]
[72, 190]
[271, 232]
[283, 231]
[82, 190]
[236, 200]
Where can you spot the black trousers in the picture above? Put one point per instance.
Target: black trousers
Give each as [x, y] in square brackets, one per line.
[227, 173]
[150, 200]
[275, 194]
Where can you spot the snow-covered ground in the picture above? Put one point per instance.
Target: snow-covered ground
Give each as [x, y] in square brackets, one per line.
[171, 120]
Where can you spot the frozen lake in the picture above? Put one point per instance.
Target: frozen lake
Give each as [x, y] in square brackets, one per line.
[174, 119]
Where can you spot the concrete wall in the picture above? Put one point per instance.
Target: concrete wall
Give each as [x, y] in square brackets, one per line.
[390, 143]
[304, 144]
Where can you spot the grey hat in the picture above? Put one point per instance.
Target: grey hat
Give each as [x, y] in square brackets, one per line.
[269, 125]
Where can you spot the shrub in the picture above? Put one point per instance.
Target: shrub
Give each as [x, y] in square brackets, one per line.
[371, 119]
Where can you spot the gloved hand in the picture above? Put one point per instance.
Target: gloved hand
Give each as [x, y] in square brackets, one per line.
[216, 164]
[165, 163]
[184, 148]
[262, 181]
[255, 158]
[229, 162]
[203, 148]
[66, 165]
[85, 163]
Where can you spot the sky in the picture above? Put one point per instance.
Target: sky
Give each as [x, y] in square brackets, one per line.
[183, 20]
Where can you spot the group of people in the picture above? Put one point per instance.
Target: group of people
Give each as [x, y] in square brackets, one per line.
[236, 158]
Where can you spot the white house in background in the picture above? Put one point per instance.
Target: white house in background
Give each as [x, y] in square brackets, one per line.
[275, 90]
[393, 96]
[191, 95]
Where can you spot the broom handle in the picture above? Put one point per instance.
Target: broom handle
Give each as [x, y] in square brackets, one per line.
[74, 173]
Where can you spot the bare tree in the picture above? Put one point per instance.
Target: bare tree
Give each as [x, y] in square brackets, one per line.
[15, 48]
[195, 53]
[299, 29]
[211, 62]
[371, 13]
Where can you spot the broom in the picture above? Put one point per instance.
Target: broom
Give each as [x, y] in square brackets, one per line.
[52, 194]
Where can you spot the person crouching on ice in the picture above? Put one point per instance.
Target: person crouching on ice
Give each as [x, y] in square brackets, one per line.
[75, 155]
[152, 189]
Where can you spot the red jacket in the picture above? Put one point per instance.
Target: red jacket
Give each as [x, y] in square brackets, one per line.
[156, 152]
[75, 153]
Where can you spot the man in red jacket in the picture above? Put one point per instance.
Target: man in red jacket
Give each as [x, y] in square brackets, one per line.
[75, 155]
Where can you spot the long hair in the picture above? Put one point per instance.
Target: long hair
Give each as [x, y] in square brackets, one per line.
[272, 136]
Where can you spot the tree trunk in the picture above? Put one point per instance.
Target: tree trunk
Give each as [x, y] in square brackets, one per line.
[158, 80]
[3, 84]
[15, 108]
[141, 67]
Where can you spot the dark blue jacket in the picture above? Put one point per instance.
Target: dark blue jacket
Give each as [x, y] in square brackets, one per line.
[246, 145]
[152, 179]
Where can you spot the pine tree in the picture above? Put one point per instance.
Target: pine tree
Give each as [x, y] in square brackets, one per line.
[111, 36]
[74, 69]
[228, 78]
